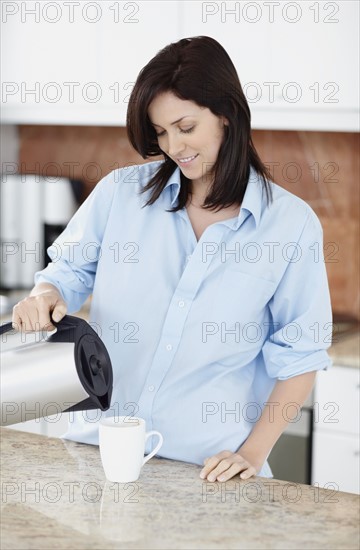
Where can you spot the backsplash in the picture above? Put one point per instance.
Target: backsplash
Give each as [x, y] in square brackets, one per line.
[320, 167]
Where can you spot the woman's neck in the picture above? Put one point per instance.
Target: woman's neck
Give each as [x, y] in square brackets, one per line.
[198, 193]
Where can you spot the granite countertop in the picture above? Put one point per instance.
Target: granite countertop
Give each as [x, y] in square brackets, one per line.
[54, 495]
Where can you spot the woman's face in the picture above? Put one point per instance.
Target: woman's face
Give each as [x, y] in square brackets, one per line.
[189, 134]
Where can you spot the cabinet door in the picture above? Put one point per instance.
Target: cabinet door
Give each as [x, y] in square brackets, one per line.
[130, 34]
[75, 63]
[52, 426]
[56, 425]
[295, 60]
[48, 60]
[243, 32]
[335, 461]
[37, 426]
[337, 400]
[314, 46]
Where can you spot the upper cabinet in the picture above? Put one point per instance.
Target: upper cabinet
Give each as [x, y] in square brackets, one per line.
[76, 62]
[297, 61]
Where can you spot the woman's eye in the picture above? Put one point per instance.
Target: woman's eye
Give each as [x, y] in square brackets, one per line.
[182, 131]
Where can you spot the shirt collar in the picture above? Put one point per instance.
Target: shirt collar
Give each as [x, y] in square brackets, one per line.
[252, 201]
[251, 204]
[174, 182]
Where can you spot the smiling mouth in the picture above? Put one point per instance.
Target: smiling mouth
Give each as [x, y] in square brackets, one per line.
[187, 160]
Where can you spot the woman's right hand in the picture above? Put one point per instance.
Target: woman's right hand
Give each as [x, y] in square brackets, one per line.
[36, 311]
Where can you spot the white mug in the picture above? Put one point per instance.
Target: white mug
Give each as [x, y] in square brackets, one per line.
[122, 445]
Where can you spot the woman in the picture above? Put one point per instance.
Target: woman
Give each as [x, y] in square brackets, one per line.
[208, 281]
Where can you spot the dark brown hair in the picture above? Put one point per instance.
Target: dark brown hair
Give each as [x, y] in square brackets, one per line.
[197, 69]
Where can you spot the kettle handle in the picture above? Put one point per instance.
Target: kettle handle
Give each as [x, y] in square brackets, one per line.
[5, 328]
[66, 322]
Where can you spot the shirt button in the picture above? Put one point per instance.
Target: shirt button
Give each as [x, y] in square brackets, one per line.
[188, 258]
[181, 303]
[151, 388]
[169, 347]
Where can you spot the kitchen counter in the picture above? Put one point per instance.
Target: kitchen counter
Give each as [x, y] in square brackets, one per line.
[54, 495]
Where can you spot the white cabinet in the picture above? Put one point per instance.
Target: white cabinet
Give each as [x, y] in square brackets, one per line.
[127, 41]
[336, 461]
[337, 400]
[246, 43]
[296, 61]
[56, 425]
[37, 426]
[75, 63]
[49, 58]
[52, 426]
[336, 443]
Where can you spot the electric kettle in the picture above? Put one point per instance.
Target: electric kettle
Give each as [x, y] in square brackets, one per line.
[44, 373]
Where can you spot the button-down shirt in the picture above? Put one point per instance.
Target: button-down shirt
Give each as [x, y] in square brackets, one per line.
[198, 331]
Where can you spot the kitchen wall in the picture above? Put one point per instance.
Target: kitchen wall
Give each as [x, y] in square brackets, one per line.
[9, 146]
[320, 167]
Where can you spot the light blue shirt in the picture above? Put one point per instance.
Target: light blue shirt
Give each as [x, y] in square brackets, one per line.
[198, 331]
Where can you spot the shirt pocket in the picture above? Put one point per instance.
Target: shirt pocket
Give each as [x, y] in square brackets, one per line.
[240, 306]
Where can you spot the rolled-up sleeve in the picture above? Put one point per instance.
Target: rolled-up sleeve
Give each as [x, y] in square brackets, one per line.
[74, 254]
[301, 326]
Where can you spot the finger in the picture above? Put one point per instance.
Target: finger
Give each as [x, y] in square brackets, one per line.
[30, 322]
[23, 319]
[249, 472]
[27, 317]
[211, 463]
[222, 467]
[231, 472]
[16, 320]
[59, 311]
[42, 307]
[226, 464]
[45, 320]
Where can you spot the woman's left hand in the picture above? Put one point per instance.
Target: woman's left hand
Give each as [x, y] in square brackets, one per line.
[225, 465]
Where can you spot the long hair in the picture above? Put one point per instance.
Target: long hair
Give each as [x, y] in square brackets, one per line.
[197, 69]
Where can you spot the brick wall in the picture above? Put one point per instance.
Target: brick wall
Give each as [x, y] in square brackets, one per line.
[320, 167]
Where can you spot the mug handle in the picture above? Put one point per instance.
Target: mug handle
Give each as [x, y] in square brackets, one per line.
[161, 440]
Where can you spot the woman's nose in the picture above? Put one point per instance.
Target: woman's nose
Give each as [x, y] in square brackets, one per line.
[175, 145]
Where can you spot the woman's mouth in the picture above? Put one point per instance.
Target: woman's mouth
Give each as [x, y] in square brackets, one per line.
[187, 160]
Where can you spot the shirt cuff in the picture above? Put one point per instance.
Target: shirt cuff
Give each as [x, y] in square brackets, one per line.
[287, 363]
